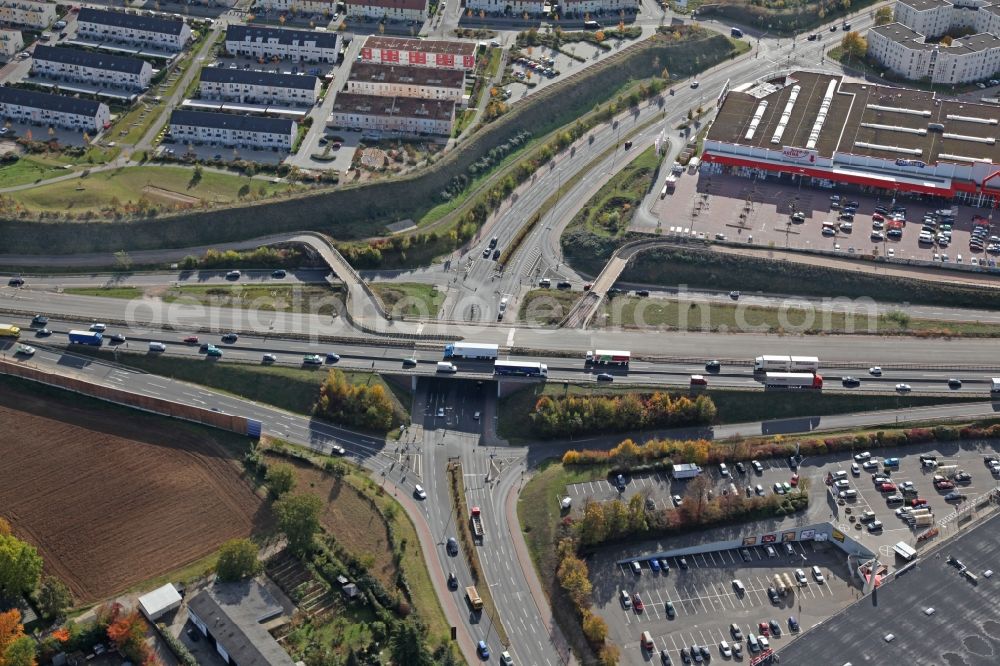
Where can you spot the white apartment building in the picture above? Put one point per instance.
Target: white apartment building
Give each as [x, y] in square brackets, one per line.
[403, 115]
[27, 13]
[506, 7]
[398, 10]
[263, 42]
[902, 48]
[403, 81]
[11, 41]
[253, 87]
[102, 25]
[36, 108]
[224, 129]
[597, 8]
[419, 52]
[95, 68]
[326, 7]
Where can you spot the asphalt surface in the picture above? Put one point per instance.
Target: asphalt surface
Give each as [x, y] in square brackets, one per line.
[963, 627]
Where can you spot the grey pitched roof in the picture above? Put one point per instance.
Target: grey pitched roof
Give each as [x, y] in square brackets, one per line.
[231, 121]
[232, 612]
[89, 59]
[253, 33]
[39, 100]
[270, 79]
[135, 21]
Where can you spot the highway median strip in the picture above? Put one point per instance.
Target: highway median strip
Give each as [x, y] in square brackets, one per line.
[457, 486]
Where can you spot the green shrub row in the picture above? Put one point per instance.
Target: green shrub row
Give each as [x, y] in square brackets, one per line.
[572, 415]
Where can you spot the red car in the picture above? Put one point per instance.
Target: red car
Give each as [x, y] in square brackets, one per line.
[887, 487]
[764, 629]
[878, 217]
[944, 485]
[191, 340]
[795, 480]
[920, 501]
[637, 603]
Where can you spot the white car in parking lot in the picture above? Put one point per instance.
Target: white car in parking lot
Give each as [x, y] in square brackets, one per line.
[800, 576]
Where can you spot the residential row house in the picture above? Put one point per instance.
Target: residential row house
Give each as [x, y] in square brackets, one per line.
[404, 81]
[136, 29]
[11, 41]
[27, 13]
[324, 7]
[266, 43]
[401, 115]
[254, 87]
[37, 108]
[91, 67]
[419, 52]
[234, 131]
[506, 7]
[395, 10]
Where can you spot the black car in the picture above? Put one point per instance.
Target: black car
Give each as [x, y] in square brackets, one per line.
[452, 581]
[605, 377]
[704, 652]
[642, 292]
[118, 338]
[280, 273]
[230, 337]
[741, 468]
[669, 607]
[713, 366]
[684, 656]
[43, 332]
[745, 554]
[772, 594]
[452, 546]
[954, 383]
[496, 254]
[628, 144]
[850, 382]
[332, 358]
[775, 628]
[409, 362]
[564, 285]
[15, 282]
[665, 658]
[39, 320]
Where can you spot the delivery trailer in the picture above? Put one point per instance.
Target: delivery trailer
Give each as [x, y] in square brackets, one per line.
[786, 364]
[685, 471]
[607, 357]
[792, 380]
[471, 350]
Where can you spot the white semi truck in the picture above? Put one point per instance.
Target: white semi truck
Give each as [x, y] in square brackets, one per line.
[471, 350]
[786, 364]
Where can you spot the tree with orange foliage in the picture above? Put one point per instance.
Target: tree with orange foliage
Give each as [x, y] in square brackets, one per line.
[128, 633]
[4, 527]
[16, 649]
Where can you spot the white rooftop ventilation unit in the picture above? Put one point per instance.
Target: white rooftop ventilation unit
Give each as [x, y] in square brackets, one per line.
[824, 109]
[916, 152]
[785, 115]
[972, 119]
[899, 109]
[975, 139]
[896, 128]
[755, 121]
[963, 158]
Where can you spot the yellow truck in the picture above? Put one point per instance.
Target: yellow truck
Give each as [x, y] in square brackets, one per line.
[9, 331]
[473, 596]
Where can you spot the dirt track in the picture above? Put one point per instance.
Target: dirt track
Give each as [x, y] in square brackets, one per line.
[112, 501]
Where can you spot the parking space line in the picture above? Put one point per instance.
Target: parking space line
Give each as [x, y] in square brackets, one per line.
[704, 560]
[732, 559]
[712, 555]
[756, 552]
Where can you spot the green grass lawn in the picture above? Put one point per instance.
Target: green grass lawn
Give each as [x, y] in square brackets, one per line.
[734, 406]
[28, 170]
[609, 211]
[632, 312]
[314, 299]
[409, 299]
[547, 307]
[163, 186]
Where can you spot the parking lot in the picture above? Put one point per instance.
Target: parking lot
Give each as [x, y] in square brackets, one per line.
[704, 601]
[702, 596]
[760, 211]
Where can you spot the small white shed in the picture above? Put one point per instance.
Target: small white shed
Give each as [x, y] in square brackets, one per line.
[159, 602]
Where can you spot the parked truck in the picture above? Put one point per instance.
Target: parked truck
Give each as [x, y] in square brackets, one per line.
[995, 385]
[606, 357]
[786, 364]
[923, 521]
[685, 471]
[947, 470]
[476, 520]
[789, 585]
[470, 350]
[86, 338]
[793, 380]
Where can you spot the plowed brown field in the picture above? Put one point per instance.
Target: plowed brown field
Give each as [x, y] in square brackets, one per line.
[111, 500]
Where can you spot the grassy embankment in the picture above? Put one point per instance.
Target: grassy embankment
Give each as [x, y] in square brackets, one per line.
[409, 299]
[733, 406]
[315, 299]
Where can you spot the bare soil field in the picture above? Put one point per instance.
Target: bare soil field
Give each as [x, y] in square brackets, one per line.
[110, 500]
[348, 516]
